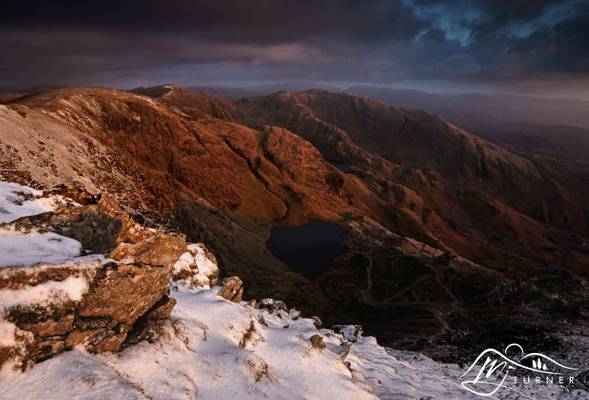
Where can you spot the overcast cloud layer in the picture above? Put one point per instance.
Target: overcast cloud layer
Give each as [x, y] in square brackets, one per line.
[539, 45]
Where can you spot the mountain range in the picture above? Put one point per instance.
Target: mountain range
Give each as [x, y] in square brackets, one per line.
[440, 226]
[546, 125]
[550, 126]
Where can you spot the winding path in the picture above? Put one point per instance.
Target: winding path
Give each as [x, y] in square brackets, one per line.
[364, 294]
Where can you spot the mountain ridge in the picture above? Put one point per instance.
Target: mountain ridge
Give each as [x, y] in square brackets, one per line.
[425, 242]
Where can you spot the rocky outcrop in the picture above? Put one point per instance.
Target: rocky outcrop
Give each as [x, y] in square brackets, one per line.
[107, 296]
[196, 268]
[231, 289]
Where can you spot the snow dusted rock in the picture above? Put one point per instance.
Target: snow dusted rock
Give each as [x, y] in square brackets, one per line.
[196, 268]
[317, 341]
[231, 289]
[38, 307]
[56, 292]
[350, 332]
[273, 305]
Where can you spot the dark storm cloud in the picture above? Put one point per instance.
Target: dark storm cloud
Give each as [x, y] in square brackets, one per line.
[563, 49]
[231, 20]
[497, 9]
[129, 42]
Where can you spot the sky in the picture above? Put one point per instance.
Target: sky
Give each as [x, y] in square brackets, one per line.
[538, 47]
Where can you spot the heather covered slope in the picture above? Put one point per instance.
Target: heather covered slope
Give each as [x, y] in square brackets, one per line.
[546, 125]
[269, 173]
[195, 104]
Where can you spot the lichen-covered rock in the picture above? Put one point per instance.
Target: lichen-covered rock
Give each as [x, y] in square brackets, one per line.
[161, 249]
[99, 301]
[123, 292]
[231, 289]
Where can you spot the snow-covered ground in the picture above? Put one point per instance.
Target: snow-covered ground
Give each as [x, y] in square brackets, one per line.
[216, 349]
[21, 250]
[213, 348]
[18, 249]
[20, 201]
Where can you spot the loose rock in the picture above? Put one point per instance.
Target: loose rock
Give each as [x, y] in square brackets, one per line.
[231, 289]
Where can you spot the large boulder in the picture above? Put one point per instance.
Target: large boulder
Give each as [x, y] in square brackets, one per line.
[106, 294]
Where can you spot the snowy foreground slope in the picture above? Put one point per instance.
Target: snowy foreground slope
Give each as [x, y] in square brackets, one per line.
[216, 349]
[212, 348]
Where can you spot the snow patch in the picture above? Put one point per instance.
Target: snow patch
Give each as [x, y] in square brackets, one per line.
[18, 201]
[219, 350]
[46, 293]
[7, 331]
[27, 249]
[73, 375]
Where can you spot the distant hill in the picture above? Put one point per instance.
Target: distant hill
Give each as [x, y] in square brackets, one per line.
[547, 139]
[236, 93]
[522, 122]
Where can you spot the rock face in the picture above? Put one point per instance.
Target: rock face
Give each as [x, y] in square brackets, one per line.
[104, 298]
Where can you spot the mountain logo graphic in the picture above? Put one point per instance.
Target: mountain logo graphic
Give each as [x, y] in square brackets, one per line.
[493, 370]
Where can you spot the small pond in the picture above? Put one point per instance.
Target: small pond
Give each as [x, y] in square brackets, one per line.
[309, 248]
